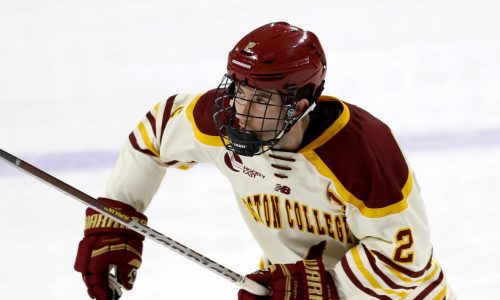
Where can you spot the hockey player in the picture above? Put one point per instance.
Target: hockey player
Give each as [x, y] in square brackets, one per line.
[322, 184]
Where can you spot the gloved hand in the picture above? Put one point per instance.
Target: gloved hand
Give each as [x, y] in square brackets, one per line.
[305, 280]
[107, 244]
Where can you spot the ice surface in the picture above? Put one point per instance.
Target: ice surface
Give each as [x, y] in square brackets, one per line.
[76, 76]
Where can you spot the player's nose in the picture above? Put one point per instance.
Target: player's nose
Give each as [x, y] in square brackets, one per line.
[243, 108]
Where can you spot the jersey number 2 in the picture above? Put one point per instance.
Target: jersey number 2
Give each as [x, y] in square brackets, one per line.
[404, 240]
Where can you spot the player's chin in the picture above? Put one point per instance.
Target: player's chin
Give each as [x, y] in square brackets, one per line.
[258, 134]
[247, 131]
[265, 137]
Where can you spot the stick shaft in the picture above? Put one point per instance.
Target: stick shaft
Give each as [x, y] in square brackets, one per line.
[241, 281]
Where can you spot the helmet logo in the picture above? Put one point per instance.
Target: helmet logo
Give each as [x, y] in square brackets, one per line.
[249, 47]
[239, 63]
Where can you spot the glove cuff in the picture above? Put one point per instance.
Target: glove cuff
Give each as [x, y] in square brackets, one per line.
[96, 223]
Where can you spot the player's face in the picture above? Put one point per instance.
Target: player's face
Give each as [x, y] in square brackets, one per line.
[259, 112]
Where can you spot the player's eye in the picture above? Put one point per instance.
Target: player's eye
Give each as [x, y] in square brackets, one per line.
[261, 100]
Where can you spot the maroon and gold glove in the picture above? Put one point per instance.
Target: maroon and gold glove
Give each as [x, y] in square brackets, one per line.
[305, 280]
[108, 244]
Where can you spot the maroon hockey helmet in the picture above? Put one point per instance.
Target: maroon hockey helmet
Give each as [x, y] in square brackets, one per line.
[279, 56]
[276, 58]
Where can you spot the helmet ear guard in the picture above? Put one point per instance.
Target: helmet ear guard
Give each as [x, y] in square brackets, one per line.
[290, 110]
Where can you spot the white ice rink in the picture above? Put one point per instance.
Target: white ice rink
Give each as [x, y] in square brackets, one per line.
[76, 76]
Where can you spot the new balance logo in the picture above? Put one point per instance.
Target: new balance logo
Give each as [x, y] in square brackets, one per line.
[282, 189]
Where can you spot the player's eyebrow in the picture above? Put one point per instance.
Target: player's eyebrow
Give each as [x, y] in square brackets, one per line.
[264, 94]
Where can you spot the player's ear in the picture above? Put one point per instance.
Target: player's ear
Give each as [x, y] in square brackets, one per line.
[301, 106]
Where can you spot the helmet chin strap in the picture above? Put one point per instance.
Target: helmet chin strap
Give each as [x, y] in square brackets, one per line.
[308, 110]
[248, 145]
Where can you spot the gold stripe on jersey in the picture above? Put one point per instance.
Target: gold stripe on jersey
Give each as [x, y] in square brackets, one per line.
[369, 277]
[211, 140]
[147, 140]
[184, 167]
[349, 197]
[441, 294]
[156, 108]
[432, 274]
[177, 111]
[340, 123]
[432, 288]
[410, 280]
[261, 265]
[399, 268]
[144, 137]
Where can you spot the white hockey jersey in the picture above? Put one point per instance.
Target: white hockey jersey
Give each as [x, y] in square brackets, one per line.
[349, 185]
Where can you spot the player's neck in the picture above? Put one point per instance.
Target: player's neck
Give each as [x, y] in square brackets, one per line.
[292, 140]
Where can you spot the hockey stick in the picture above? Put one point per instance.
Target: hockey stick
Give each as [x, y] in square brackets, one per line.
[241, 281]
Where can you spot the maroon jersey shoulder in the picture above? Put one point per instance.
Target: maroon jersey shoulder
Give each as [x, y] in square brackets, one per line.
[366, 159]
[203, 113]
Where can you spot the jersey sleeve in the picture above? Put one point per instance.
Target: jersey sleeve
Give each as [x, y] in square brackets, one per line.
[393, 259]
[385, 212]
[163, 138]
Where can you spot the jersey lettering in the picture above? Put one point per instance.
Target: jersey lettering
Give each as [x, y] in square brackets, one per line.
[268, 209]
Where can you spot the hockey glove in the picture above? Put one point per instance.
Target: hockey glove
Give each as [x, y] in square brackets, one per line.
[305, 280]
[109, 245]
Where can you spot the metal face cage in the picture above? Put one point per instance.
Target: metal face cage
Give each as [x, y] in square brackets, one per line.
[250, 120]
